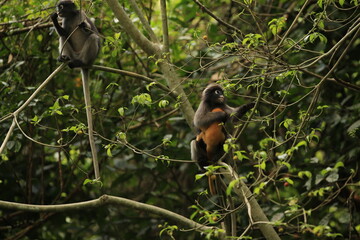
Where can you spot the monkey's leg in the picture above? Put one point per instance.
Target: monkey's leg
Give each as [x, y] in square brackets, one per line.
[88, 53]
[86, 88]
[65, 50]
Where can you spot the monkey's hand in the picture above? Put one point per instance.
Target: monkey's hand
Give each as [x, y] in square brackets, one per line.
[85, 27]
[54, 16]
[240, 111]
[82, 25]
[63, 58]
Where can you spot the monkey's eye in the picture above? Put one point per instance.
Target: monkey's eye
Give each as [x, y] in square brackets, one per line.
[218, 92]
[60, 7]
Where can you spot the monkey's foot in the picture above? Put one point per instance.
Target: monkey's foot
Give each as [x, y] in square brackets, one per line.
[76, 64]
[63, 58]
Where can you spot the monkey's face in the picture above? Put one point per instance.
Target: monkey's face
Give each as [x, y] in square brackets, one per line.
[218, 96]
[66, 8]
[214, 94]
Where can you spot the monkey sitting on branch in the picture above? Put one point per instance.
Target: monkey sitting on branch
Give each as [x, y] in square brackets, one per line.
[79, 45]
[209, 120]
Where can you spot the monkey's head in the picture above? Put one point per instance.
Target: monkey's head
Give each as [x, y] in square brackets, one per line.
[66, 8]
[213, 94]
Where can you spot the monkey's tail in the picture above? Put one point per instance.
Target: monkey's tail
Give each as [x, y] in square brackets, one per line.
[86, 88]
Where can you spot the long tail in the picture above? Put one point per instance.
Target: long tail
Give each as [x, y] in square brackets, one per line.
[86, 79]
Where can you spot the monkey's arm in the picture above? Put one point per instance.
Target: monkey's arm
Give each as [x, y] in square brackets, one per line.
[87, 26]
[240, 111]
[203, 121]
[60, 30]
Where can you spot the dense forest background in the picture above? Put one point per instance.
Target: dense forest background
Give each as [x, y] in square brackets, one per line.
[298, 151]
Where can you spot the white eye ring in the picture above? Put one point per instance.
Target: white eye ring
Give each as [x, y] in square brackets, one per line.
[218, 92]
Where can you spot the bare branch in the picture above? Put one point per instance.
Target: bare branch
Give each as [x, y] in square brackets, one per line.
[27, 102]
[108, 200]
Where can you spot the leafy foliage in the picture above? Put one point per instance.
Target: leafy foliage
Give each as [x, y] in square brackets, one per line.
[298, 152]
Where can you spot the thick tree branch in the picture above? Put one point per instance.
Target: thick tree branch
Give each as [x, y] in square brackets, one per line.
[149, 47]
[108, 200]
[256, 213]
[164, 26]
[173, 81]
[141, 16]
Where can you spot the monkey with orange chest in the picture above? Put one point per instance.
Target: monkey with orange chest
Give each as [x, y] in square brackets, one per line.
[209, 120]
[213, 136]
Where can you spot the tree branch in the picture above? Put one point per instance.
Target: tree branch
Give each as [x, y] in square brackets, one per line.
[149, 47]
[108, 200]
[23, 106]
[136, 75]
[258, 216]
[164, 26]
[219, 20]
[143, 21]
[173, 81]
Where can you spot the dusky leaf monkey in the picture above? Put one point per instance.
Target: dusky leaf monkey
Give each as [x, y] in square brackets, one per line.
[207, 148]
[79, 45]
[209, 120]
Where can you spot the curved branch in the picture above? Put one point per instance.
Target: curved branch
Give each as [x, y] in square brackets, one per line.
[153, 49]
[257, 215]
[107, 200]
[128, 26]
[23, 106]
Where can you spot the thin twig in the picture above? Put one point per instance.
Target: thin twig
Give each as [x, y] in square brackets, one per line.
[24, 105]
[222, 22]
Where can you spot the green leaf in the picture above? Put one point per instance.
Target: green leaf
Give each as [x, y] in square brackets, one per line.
[290, 181]
[226, 147]
[163, 103]
[87, 181]
[121, 111]
[231, 186]
[287, 123]
[262, 165]
[117, 35]
[308, 174]
[121, 136]
[66, 97]
[4, 157]
[199, 176]
[150, 85]
[301, 143]
[320, 3]
[338, 164]
[108, 152]
[142, 99]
